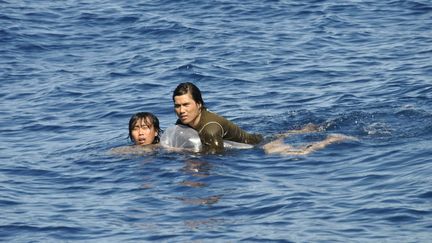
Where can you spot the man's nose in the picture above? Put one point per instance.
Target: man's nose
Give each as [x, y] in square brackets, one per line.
[181, 109]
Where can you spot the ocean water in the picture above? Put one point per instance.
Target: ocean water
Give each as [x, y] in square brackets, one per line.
[73, 72]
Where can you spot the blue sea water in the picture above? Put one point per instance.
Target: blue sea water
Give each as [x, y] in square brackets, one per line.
[73, 72]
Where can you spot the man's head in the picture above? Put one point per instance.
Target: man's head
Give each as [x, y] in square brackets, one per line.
[188, 103]
[144, 128]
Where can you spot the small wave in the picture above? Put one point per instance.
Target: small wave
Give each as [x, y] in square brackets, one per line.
[388, 123]
[43, 17]
[32, 47]
[128, 19]
[414, 7]
[402, 218]
[5, 203]
[187, 67]
[378, 129]
[92, 17]
[346, 98]
[164, 29]
[426, 195]
[390, 213]
[14, 229]
[6, 36]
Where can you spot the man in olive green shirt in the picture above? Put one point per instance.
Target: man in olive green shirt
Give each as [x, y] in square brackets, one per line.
[212, 128]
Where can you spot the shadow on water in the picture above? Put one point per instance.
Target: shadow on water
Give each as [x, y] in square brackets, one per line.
[198, 169]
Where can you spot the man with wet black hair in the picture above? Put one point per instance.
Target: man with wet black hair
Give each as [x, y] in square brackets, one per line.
[212, 128]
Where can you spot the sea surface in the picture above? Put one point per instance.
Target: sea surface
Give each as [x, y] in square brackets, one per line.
[73, 72]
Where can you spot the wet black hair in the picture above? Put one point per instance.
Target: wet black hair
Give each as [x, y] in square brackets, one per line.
[149, 120]
[189, 88]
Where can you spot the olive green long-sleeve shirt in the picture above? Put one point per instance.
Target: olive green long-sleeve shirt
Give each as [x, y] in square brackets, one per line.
[213, 129]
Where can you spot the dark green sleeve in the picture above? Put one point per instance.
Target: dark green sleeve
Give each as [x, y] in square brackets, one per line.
[236, 134]
[212, 138]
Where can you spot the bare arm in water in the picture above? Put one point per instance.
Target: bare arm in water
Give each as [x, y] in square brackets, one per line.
[147, 149]
[279, 147]
[135, 149]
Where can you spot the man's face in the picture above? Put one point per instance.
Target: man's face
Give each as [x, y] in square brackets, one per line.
[187, 110]
[143, 133]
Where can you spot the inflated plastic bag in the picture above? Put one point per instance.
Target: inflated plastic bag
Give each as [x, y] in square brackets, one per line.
[184, 137]
[180, 136]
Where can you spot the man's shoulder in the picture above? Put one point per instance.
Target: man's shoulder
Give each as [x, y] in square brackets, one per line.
[209, 116]
[212, 128]
[211, 123]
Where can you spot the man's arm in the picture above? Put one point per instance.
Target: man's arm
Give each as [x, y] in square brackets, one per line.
[236, 134]
[212, 138]
[279, 147]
